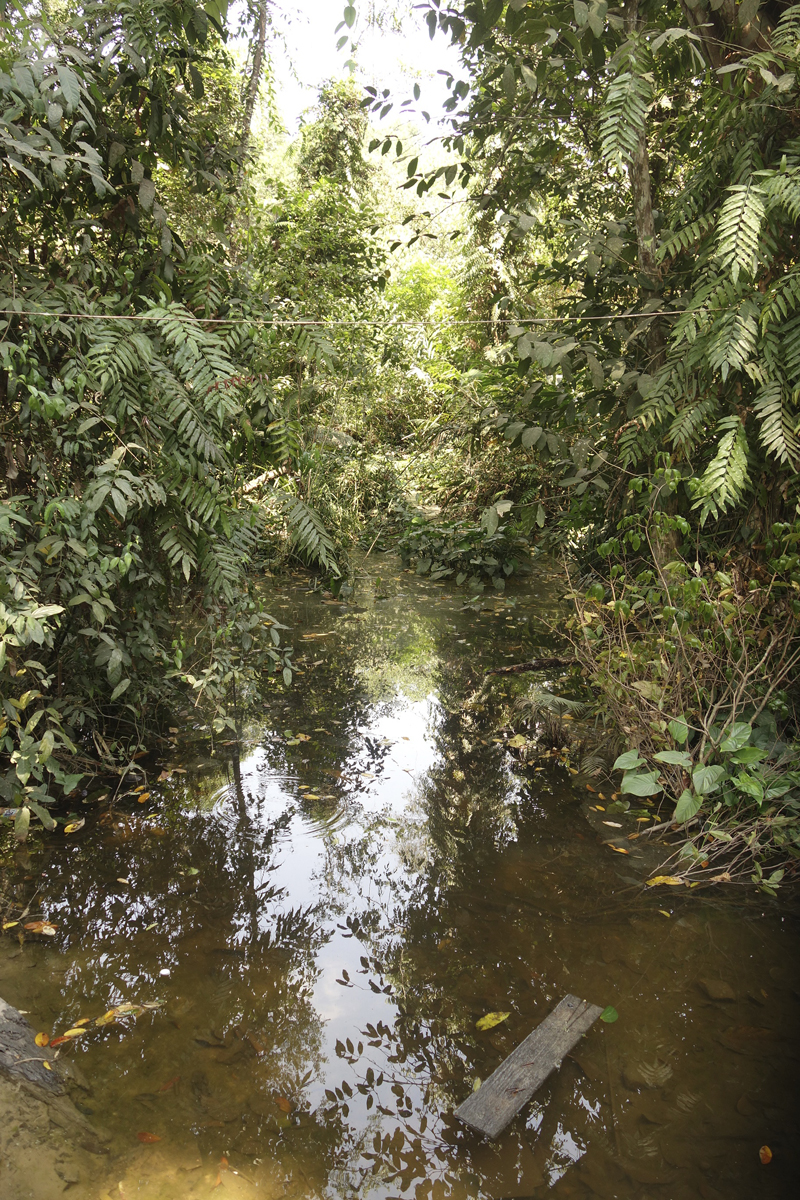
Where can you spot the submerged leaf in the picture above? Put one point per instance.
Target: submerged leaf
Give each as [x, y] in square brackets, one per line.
[669, 880]
[148, 1138]
[491, 1019]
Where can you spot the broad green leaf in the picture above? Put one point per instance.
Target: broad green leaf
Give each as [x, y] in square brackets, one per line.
[679, 730]
[42, 814]
[688, 805]
[628, 760]
[677, 758]
[491, 1019]
[642, 784]
[707, 779]
[737, 735]
[609, 1015]
[749, 754]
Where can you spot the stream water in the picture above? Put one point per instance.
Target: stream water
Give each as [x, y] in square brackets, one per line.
[327, 911]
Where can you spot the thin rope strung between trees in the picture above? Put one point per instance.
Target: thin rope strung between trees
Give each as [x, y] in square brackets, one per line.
[323, 324]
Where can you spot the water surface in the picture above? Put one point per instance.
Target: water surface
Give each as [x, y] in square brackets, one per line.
[327, 910]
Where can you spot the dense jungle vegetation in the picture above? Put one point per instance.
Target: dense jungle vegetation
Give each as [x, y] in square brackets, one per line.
[567, 323]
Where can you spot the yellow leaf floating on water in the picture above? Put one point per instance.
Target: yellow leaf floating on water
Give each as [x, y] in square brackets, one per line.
[144, 796]
[42, 1039]
[491, 1019]
[74, 826]
[668, 880]
[46, 1065]
[10, 924]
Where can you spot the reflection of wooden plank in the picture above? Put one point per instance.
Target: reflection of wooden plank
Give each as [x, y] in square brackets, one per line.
[500, 1098]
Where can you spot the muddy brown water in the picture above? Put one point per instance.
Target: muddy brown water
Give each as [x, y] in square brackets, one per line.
[325, 920]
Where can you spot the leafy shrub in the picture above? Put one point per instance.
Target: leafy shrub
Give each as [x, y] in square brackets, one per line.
[465, 551]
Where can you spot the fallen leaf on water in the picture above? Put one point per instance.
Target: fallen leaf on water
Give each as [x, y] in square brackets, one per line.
[765, 1154]
[476, 1084]
[517, 741]
[45, 927]
[619, 849]
[609, 1015]
[164, 776]
[82, 1021]
[283, 1104]
[144, 796]
[59, 1041]
[121, 880]
[42, 1039]
[74, 826]
[147, 928]
[723, 877]
[638, 819]
[664, 912]
[599, 808]
[303, 737]
[74, 1032]
[46, 1065]
[10, 924]
[172, 729]
[669, 880]
[614, 824]
[491, 1019]
[311, 796]
[148, 1138]
[107, 1018]
[589, 788]
[319, 730]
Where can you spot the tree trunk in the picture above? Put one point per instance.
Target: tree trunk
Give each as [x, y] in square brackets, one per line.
[641, 189]
[251, 89]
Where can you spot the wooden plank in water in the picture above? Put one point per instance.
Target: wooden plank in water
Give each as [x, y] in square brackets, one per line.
[507, 1089]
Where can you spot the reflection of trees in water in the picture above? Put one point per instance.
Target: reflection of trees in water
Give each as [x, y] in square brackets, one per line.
[242, 960]
[431, 931]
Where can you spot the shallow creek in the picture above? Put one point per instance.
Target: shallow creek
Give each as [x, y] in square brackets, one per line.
[325, 917]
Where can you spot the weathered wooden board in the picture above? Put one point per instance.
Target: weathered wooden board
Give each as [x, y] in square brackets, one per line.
[500, 1098]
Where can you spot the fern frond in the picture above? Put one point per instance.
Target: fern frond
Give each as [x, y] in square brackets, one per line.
[624, 117]
[778, 423]
[733, 337]
[686, 238]
[309, 534]
[179, 544]
[786, 34]
[686, 429]
[726, 477]
[738, 229]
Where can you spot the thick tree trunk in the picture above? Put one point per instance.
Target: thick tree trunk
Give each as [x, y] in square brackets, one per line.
[251, 90]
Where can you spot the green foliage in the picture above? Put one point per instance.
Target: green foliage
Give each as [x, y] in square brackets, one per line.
[463, 551]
